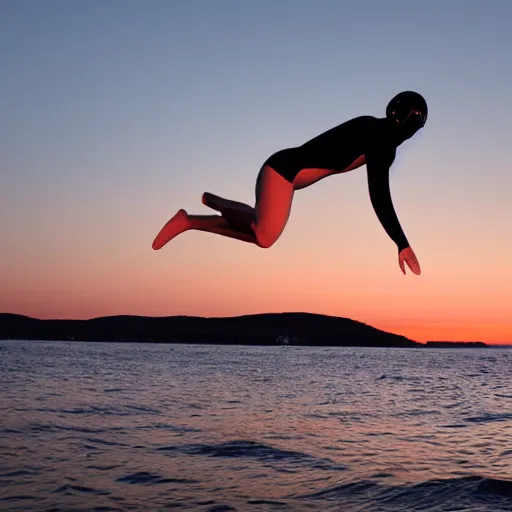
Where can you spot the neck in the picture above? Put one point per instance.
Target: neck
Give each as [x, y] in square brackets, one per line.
[399, 134]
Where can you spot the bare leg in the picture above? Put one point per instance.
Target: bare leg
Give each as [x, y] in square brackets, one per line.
[220, 225]
[274, 196]
[261, 225]
[182, 222]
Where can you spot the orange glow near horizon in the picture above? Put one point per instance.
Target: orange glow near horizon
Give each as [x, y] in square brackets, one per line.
[405, 305]
[498, 333]
[207, 275]
[354, 275]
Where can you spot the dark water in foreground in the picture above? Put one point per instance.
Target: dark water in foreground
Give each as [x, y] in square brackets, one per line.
[87, 426]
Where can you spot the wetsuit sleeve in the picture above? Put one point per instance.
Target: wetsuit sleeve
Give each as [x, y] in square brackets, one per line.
[378, 166]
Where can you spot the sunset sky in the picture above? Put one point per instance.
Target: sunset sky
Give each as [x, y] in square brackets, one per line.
[115, 114]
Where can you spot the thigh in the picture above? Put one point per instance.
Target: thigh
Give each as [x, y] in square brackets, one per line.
[274, 195]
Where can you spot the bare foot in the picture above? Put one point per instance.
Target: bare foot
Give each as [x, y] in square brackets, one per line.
[174, 227]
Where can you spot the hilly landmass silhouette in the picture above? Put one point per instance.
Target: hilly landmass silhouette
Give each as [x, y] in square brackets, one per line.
[256, 329]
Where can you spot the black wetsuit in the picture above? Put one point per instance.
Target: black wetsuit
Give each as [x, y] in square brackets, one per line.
[338, 148]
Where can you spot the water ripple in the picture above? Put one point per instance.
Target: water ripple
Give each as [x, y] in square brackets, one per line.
[112, 426]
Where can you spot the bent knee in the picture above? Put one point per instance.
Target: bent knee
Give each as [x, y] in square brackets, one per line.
[264, 243]
[264, 239]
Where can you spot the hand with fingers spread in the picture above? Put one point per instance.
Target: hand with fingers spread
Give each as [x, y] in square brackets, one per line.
[407, 256]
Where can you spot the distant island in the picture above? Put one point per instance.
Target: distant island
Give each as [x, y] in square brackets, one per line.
[305, 329]
[459, 344]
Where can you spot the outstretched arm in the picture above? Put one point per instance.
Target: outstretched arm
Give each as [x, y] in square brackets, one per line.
[380, 195]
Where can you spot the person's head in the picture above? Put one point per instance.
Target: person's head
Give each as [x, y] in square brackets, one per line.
[408, 111]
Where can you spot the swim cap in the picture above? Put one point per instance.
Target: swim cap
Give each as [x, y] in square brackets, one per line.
[408, 109]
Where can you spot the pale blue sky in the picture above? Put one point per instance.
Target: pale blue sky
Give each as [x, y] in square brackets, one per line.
[105, 87]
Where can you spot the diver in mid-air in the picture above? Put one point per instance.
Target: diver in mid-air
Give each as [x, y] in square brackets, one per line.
[362, 140]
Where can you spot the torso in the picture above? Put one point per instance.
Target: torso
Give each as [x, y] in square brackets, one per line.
[338, 150]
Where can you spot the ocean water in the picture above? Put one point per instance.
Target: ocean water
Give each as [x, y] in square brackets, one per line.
[113, 426]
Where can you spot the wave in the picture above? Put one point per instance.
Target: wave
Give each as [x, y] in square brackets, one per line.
[254, 450]
[463, 493]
